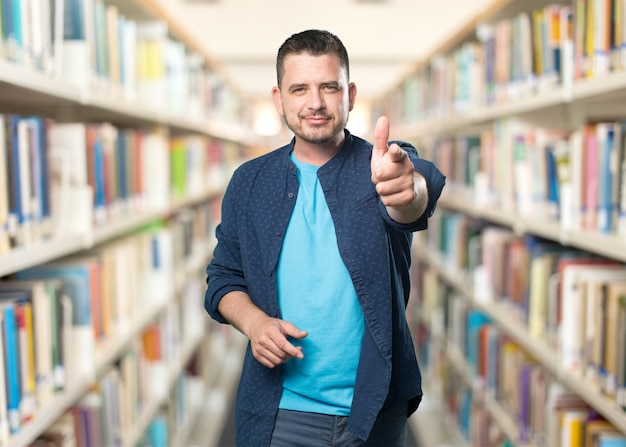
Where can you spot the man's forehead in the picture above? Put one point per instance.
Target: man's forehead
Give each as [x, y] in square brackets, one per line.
[299, 64]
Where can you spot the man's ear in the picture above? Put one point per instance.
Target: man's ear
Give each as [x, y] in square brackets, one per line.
[351, 95]
[278, 100]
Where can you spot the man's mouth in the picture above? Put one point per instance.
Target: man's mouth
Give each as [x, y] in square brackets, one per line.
[317, 119]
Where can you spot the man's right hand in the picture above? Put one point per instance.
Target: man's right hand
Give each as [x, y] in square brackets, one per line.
[269, 339]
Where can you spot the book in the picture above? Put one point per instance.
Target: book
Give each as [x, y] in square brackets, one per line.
[41, 295]
[23, 314]
[595, 284]
[620, 176]
[158, 433]
[74, 54]
[606, 201]
[151, 41]
[611, 440]
[594, 428]
[591, 157]
[113, 391]
[541, 301]
[70, 195]
[4, 189]
[572, 218]
[575, 326]
[572, 428]
[11, 351]
[615, 339]
[90, 409]
[76, 285]
[4, 418]
[40, 196]
[19, 181]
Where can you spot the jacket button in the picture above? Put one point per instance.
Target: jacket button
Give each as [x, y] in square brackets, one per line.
[290, 195]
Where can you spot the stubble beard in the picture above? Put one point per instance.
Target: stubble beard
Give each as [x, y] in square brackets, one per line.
[316, 134]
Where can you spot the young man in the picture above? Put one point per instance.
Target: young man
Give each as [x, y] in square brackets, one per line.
[312, 265]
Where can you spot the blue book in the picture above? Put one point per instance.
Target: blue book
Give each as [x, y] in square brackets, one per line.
[12, 362]
[16, 190]
[606, 201]
[475, 320]
[553, 182]
[98, 169]
[7, 19]
[41, 180]
[157, 432]
[17, 22]
[73, 20]
[611, 441]
[35, 155]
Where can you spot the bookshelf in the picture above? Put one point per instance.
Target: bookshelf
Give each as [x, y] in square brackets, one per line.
[118, 134]
[522, 109]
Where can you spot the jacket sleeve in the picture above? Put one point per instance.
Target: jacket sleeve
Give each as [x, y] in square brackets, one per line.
[435, 182]
[225, 271]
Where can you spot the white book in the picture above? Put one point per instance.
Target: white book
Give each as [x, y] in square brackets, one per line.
[4, 190]
[129, 58]
[75, 50]
[574, 324]
[575, 213]
[24, 162]
[4, 418]
[155, 167]
[601, 58]
[71, 198]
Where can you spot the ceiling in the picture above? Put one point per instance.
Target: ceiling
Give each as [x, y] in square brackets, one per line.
[384, 38]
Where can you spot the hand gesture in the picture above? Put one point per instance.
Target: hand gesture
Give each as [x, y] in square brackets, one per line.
[270, 343]
[392, 171]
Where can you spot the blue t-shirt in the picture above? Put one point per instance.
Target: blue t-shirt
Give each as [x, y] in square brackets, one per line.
[316, 294]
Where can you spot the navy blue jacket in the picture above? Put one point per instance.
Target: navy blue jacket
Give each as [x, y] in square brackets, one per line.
[256, 209]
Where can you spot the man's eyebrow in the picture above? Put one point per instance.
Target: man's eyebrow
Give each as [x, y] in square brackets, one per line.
[295, 86]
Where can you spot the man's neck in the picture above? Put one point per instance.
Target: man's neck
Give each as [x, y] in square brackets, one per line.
[317, 154]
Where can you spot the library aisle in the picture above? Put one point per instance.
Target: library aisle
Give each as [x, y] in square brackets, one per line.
[119, 133]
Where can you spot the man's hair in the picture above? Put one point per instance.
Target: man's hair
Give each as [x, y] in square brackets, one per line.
[314, 42]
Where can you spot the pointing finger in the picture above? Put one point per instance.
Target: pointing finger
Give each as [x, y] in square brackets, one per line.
[381, 135]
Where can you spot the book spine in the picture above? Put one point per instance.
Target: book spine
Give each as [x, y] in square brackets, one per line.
[13, 365]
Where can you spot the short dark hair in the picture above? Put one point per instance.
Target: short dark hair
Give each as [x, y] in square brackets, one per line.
[314, 42]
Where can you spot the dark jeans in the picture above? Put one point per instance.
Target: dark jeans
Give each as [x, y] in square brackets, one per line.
[298, 429]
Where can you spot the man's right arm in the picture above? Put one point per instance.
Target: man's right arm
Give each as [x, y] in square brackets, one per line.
[269, 337]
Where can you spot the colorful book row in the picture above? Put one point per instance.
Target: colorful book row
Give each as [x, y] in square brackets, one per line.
[94, 45]
[60, 317]
[578, 179]
[490, 384]
[572, 301]
[513, 58]
[68, 178]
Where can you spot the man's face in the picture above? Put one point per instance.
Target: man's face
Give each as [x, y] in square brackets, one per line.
[315, 97]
